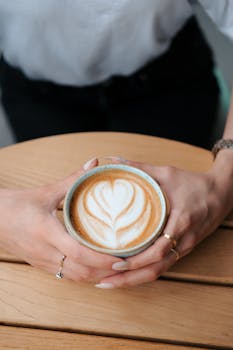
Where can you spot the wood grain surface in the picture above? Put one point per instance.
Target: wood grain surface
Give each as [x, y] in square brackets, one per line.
[186, 313]
[167, 311]
[211, 261]
[48, 159]
[14, 338]
[45, 160]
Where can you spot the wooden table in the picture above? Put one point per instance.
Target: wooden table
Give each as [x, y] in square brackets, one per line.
[191, 306]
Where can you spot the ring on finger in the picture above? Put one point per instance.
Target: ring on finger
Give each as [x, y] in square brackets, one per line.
[177, 254]
[171, 239]
[59, 275]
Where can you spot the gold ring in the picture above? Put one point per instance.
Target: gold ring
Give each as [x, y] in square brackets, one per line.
[59, 274]
[171, 239]
[176, 253]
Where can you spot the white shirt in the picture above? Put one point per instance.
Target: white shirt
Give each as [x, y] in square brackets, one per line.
[82, 42]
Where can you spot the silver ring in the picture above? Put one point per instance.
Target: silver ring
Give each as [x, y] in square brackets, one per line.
[59, 275]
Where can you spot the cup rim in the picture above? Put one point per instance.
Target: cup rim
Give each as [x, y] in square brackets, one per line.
[76, 235]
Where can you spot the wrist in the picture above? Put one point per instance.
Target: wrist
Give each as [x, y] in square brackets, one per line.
[223, 164]
[221, 174]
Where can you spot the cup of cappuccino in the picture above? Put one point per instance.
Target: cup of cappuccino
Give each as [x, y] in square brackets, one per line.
[115, 209]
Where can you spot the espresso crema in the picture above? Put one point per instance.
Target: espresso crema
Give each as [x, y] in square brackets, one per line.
[115, 209]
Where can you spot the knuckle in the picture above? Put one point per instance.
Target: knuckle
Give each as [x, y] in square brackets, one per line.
[191, 241]
[168, 172]
[85, 275]
[217, 205]
[161, 254]
[152, 274]
[158, 273]
[205, 210]
[185, 221]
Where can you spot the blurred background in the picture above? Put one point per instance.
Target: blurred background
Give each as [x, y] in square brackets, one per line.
[223, 49]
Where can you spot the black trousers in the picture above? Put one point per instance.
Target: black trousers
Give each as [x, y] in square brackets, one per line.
[175, 96]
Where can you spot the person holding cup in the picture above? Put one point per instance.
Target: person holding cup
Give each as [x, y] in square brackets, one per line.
[132, 66]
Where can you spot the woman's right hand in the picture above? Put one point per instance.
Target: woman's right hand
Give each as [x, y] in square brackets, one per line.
[30, 230]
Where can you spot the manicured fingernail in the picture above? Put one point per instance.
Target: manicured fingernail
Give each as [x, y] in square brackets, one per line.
[121, 266]
[117, 159]
[121, 159]
[89, 163]
[105, 286]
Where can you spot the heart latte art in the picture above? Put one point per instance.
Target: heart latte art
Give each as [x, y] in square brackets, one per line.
[115, 209]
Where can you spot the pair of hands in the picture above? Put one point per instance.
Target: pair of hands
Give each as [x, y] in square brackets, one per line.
[30, 229]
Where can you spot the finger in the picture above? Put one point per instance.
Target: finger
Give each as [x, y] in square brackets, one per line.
[176, 227]
[49, 259]
[154, 253]
[154, 171]
[59, 189]
[69, 270]
[79, 254]
[132, 278]
[80, 273]
[143, 166]
[187, 243]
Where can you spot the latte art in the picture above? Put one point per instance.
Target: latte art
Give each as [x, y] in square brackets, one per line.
[115, 209]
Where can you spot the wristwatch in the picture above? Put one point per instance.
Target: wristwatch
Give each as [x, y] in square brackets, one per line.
[222, 144]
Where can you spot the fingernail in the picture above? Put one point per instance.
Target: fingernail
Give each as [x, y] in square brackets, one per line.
[118, 159]
[89, 163]
[121, 266]
[105, 286]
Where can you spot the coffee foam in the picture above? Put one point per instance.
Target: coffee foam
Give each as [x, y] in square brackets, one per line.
[115, 209]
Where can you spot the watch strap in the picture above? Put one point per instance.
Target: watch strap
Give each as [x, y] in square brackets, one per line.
[222, 144]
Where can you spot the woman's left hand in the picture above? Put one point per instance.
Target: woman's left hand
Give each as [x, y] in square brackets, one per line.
[198, 201]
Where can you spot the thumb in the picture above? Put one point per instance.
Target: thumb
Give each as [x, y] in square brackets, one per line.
[60, 188]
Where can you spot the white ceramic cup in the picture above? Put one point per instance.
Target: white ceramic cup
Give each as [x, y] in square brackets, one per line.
[117, 252]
